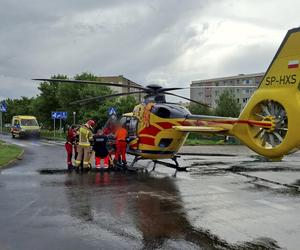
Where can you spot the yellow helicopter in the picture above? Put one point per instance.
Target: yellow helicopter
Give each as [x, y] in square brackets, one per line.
[269, 124]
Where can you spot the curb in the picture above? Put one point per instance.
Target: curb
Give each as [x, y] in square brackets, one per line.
[13, 161]
[59, 143]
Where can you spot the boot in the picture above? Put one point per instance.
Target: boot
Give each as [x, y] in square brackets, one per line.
[70, 167]
[77, 168]
[115, 162]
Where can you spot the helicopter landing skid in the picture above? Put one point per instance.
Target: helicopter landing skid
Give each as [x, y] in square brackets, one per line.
[174, 165]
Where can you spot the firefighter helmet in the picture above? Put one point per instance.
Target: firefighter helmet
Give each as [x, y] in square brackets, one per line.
[91, 124]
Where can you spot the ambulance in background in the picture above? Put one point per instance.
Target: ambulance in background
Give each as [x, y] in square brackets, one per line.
[25, 126]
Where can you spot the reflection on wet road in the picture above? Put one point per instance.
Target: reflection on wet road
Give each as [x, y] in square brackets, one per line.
[223, 202]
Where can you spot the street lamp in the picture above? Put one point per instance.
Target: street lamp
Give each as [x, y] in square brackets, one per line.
[74, 117]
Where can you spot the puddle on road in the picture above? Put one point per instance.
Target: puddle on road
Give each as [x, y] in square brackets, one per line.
[54, 171]
[150, 206]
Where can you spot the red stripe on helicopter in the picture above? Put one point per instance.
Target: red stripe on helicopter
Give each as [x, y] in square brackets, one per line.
[199, 123]
[147, 140]
[249, 122]
[151, 130]
[134, 145]
[186, 123]
[165, 125]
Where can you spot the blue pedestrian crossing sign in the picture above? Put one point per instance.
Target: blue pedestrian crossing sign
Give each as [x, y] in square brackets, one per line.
[3, 107]
[112, 111]
[59, 115]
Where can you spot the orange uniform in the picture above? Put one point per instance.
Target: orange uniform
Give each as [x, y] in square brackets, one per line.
[121, 135]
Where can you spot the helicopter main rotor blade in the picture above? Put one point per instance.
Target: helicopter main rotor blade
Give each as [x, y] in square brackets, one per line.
[167, 89]
[101, 98]
[188, 99]
[227, 86]
[92, 82]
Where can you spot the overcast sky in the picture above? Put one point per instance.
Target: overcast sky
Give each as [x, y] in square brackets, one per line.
[166, 42]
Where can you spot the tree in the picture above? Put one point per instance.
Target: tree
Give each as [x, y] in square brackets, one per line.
[47, 100]
[68, 93]
[59, 96]
[21, 106]
[228, 105]
[125, 104]
[198, 109]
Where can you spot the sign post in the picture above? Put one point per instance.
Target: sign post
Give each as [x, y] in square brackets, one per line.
[74, 117]
[60, 127]
[1, 124]
[3, 109]
[58, 115]
[54, 127]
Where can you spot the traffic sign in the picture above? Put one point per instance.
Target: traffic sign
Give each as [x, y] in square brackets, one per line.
[112, 111]
[3, 107]
[59, 115]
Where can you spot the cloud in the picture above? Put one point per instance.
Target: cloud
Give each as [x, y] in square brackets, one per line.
[169, 42]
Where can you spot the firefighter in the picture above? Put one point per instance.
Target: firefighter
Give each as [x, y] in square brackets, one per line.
[100, 149]
[121, 144]
[70, 144]
[84, 144]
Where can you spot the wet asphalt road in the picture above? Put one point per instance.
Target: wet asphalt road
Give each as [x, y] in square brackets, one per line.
[231, 200]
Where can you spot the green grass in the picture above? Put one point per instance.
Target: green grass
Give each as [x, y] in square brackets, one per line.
[194, 142]
[47, 134]
[199, 139]
[8, 152]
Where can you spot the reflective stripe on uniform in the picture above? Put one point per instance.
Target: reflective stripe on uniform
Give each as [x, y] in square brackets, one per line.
[77, 162]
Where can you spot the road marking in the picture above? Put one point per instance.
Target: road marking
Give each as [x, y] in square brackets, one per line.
[23, 208]
[274, 205]
[185, 177]
[220, 189]
[20, 144]
[35, 144]
[46, 143]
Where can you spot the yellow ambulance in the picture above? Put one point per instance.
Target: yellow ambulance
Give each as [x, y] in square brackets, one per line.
[25, 126]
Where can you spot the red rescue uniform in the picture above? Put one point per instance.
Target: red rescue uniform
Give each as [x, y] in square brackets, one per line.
[71, 137]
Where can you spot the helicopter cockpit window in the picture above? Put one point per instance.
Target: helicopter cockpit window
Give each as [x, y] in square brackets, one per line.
[170, 111]
[162, 112]
[165, 142]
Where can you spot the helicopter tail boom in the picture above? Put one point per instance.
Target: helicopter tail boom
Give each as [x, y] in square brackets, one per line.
[277, 102]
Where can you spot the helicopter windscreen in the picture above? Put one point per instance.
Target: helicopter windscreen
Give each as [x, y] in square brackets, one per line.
[131, 124]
